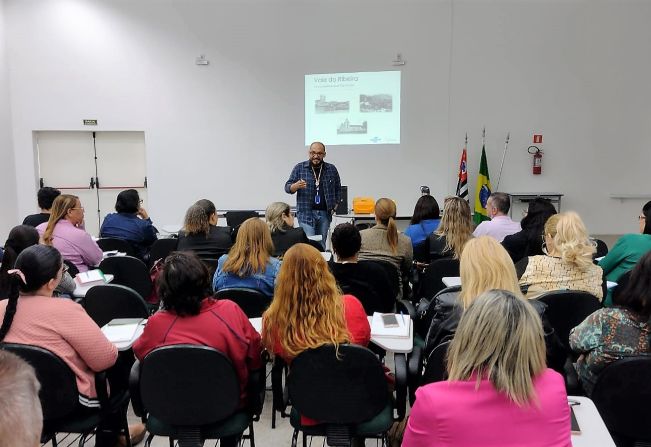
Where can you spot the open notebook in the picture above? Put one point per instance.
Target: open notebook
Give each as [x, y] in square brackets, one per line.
[121, 329]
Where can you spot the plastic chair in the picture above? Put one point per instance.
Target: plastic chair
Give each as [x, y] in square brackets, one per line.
[346, 391]
[161, 248]
[192, 393]
[106, 302]
[622, 394]
[60, 398]
[431, 281]
[111, 243]
[252, 302]
[128, 271]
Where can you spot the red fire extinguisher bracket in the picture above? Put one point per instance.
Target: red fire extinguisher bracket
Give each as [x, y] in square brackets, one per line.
[537, 159]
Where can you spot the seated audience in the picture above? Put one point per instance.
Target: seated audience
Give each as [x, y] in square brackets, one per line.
[30, 316]
[21, 237]
[383, 242]
[201, 234]
[628, 250]
[528, 242]
[453, 232]
[308, 309]
[612, 333]
[568, 264]
[484, 265]
[191, 316]
[367, 281]
[130, 223]
[249, 263]
[280, 219]
[45, 197]
[424, 221]
[65, 231]
[500, 224]
[21, 418]
[498, 384]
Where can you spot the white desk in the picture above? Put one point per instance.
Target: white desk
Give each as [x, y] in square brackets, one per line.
[450, 281]
[80, 291]
[398, 345]
[125, 345]
[593, 430]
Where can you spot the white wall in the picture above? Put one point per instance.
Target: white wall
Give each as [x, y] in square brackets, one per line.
[9, 214]
[231, 131]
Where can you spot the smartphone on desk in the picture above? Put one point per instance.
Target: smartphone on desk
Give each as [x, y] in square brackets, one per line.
[389, 320]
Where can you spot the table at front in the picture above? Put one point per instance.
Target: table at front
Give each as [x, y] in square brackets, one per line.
[593, 430]
[397, 345]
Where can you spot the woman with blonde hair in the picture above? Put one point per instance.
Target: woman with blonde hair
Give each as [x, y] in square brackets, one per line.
[568, 263]
[249, 263]
[308, 309]
[65, 231]
[497, 378]
[201, 234]
[383, 242]
[280, 219]
[454, 230]
[484, 265]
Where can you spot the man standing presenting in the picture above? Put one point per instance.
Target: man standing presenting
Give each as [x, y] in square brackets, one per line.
[318, 189]
[500, 225]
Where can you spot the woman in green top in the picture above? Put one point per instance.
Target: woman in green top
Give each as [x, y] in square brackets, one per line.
[627, 251]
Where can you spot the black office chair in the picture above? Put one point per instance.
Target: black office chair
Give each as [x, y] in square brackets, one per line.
[421, 252]
[128, 271]
[392, 273]
[622, 394]
[72, 269]
[366, 295]
[602, 248]
[346, 391]
[161, 248]
[435, 366]
[192, 393]
[237, 218]
[106, 302]
[60, 398]
[566, 309]
[252, 302]
[431, 281]
[111, 243]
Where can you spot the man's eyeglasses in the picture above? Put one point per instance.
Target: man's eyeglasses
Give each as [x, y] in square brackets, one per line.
[78, 208]
[318, 154]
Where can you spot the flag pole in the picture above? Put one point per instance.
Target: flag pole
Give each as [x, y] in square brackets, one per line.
[506, 145]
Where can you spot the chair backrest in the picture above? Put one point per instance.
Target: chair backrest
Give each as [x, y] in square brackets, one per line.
[566, 309]
[59, 396]
[344, 387]
[111, 243]
[602, 248]
[366, 295]
[188, 385]
[236, 218]
[435, 368]
[392, 273]
[431, 282]
[72, 269]
[161, 248]
[252, 302]
[421, 251]
[622, 394]
[106, 302]
[128, 271]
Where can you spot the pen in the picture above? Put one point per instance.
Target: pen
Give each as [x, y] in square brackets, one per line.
[402, 317]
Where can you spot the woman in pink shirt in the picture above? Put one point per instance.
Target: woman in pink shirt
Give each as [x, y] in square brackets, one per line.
[499, 391]
[65, 231]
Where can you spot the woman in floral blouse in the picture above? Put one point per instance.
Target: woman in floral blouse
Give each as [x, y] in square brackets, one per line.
[612, 333]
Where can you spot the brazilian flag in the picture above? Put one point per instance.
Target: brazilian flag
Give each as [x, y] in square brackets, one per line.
[483, 189]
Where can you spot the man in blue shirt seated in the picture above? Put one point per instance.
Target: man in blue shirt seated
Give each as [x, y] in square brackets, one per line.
[318, 189]
[131, 223]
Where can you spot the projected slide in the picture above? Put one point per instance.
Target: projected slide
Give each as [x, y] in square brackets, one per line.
[353, 108]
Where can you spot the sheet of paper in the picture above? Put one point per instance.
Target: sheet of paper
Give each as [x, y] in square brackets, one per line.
[119, 333]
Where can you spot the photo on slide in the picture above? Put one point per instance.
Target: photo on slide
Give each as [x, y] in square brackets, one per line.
[375, 103]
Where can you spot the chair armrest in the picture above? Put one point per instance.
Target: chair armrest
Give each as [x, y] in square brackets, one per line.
[256, 392]
[414, 371]
[406, 307]
[134, 390]
[278, 392]
[400, 361]
[101, 388]
[572, 385]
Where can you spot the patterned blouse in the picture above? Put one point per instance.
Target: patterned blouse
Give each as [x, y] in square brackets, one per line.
[604, 337]
[547, 273]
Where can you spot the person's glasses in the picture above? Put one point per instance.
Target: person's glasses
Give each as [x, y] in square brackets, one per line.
[317, 154]
[641, 217]
[140, 201]
[78, 208]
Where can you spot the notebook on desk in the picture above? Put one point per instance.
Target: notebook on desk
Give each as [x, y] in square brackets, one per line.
[121, 329]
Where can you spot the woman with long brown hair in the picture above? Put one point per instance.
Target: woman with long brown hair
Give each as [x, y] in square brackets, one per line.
[308, 309]
[249, 263]
[65, 231]
[454, 231]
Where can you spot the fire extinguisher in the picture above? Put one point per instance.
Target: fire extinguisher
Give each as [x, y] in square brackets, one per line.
[537, 159]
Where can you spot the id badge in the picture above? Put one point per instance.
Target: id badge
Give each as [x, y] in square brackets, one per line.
[317, 199]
